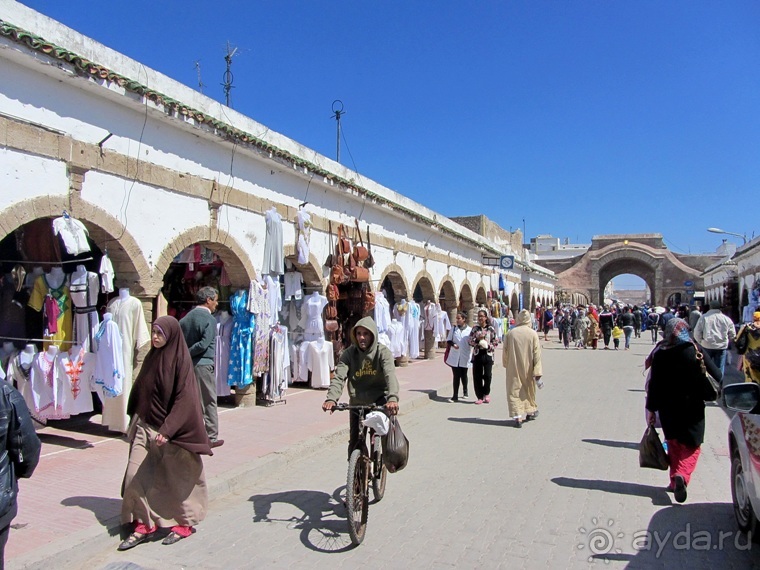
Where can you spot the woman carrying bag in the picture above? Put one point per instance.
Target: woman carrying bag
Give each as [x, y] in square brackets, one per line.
[678, 388]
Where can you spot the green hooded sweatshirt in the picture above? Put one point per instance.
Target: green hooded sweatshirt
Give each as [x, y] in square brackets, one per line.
[371, 374]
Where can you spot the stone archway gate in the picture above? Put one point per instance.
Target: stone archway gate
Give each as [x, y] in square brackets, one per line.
[644, 255]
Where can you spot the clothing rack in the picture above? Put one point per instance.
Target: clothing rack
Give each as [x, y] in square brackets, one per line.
[23, 261]
[28, 340]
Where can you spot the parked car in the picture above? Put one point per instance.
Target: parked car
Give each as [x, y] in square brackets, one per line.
[744, 445]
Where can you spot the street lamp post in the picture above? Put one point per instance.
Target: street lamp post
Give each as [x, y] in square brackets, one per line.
[719, 231]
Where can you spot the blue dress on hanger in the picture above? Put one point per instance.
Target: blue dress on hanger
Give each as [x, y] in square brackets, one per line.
[241, 355]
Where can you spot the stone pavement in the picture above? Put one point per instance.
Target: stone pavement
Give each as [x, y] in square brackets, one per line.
[74, 495]
[563, 492]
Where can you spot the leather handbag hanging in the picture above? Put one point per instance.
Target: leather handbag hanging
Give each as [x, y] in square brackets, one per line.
[344, 245]
[369, 301]
[332, 292]
[357, 273]
[360, 252]
[329, 261]
[331, 311]
[369, 263]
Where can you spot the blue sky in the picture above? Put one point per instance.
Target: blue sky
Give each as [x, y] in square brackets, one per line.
[582, 117]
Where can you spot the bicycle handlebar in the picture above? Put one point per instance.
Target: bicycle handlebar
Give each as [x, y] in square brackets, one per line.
[343, 407]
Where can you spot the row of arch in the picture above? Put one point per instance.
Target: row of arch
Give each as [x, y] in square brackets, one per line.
[145, 276]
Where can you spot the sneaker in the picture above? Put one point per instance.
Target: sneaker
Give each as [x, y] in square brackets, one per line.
[466, 397]
[453, 399]
[532, 416]
[487, 400]
[478, 402]
[679, 489]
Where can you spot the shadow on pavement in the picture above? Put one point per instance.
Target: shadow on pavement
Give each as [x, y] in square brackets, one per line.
[610, 443]
[105, 510]
[482, 421]
[701, 535]
[323, 523]
[433, 395]
[658, 495]
[64, 441]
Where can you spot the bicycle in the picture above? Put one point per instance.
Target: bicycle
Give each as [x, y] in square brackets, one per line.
[364, 465]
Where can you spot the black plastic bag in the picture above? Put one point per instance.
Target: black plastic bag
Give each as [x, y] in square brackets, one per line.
[395, 447]
[651, 453]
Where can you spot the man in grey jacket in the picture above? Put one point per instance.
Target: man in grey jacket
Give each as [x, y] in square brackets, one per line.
[199, 330]
[713, 332]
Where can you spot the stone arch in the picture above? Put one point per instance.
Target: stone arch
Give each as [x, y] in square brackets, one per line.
[481, 298]
[313, 275]
[130, 266]
[424, 282]
[632, 260]
[236, 261]
[447, 293]
[466, 300]
[514, 303]
[395, 275]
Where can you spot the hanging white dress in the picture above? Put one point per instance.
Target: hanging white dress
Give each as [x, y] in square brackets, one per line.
[321, 361]
[83, 289]
[109, 368]
[128, 314]
[75, 370]
[442, 325]
[293, 285]
[274, 298]
[304, 237]
[303, 367]
[279, 362]
[396, 334]
[224, 325]
[274, 257]
[414, 329]
[312, 316]
[382, 312]
[20, 374]
[47, 391]
[106, 274]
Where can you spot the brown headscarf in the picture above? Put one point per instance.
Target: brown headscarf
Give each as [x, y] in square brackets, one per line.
[165, 394]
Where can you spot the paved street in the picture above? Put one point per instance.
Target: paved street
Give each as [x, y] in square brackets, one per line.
[563, 492]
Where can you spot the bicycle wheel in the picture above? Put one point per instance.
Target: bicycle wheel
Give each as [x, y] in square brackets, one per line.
[379, 474]
[357, 496]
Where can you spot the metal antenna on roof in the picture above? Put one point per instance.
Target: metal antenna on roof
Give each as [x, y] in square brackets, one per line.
[228, 77]
[198, 70]
[338, 112]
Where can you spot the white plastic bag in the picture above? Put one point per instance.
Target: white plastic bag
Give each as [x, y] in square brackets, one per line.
[377, 421]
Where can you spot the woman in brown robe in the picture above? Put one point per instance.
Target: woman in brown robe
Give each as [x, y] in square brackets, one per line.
[164, 485]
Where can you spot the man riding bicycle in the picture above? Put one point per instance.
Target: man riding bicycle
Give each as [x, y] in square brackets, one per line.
[368, 367]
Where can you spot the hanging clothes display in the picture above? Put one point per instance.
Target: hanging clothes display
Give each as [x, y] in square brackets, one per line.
[54, 286]
[320, 361]
[46, 387]
[19, 374]
[382, 312]
[274, 258]
[442, 324]
[293, 285]
[414, 329]
[128, 314]
[84, 297]
[224, 326]
[279, 364]
[75, 370]
[73, 233]
[312, 316]
[108, 375]
[304, 236]
[397, 337]
[244, 324]
[274, 298]
[106, 274]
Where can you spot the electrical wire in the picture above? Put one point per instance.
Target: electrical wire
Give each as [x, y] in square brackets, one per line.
[364, 201]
